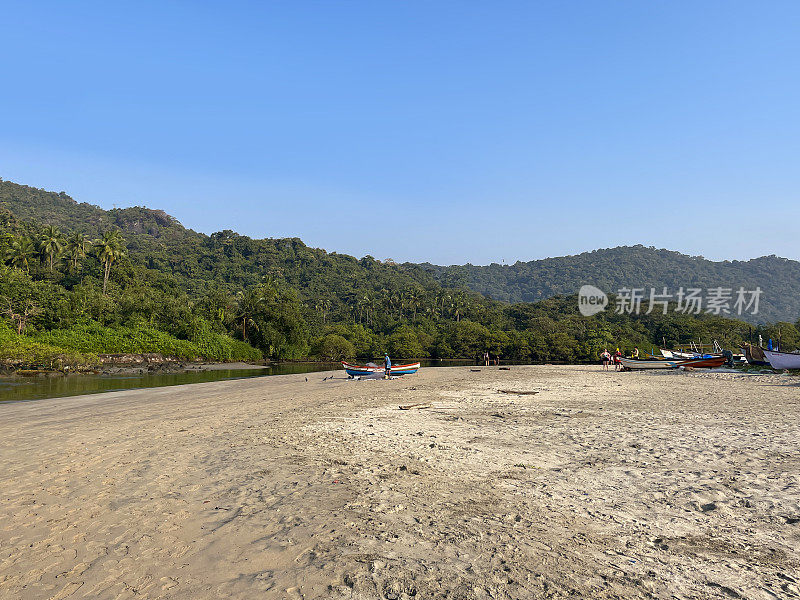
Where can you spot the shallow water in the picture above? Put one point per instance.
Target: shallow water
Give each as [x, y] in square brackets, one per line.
[56, 386]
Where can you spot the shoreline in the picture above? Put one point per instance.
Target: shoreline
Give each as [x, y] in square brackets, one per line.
[128, 368]
[156, 363]
[39, 385]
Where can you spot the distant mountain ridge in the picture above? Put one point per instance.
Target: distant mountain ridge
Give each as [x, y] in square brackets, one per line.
[226, 258]
[638, 266]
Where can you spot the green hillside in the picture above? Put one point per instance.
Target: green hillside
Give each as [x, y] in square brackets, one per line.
[199, 262]
[635, 266]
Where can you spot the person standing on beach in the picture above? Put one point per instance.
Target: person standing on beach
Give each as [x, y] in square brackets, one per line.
[617, 360]
[486, 359]
[387, 364]
[606, 357]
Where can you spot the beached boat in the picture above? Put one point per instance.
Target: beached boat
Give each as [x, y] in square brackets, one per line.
[711, 362]
[688, 355]
[755, 355]
[371, 369]
[704, 362]
[783, 360]
[675, 354]
[637, 364]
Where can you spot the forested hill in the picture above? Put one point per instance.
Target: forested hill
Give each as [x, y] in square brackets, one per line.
[226, 260]
[634, 266]
[200, 262]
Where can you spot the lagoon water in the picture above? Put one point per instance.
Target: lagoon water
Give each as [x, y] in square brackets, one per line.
[55, 386]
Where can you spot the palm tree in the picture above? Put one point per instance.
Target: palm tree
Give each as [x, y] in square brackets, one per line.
[402, 303]
[322, 306]
[51, 243]
[20, 252]
[326, 309]
[457, 305]
[270, 287]
[414, 302]
[441, 302]
[365, 308]
[385, 299]
[248, 305]
[109, 250]
[395, 301]
[78, 246]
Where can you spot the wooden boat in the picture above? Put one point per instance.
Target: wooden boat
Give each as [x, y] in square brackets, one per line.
[703, 362]
[675, 354]
[373, 369]
[783, 360]
[755, 355]
[635, 364]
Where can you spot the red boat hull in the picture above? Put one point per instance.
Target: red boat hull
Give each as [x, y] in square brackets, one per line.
[704, 363]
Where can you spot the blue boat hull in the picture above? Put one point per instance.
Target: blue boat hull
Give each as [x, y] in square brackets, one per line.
[364, 371]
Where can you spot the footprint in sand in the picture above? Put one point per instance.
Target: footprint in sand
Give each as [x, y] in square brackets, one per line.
[68, 590]
[167, 583]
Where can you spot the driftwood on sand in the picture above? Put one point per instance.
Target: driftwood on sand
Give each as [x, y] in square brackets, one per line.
[418, 405]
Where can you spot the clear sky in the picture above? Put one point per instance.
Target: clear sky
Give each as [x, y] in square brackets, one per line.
[419, 130]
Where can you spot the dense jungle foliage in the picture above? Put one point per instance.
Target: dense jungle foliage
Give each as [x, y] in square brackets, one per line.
[78, 281]
[635, 266]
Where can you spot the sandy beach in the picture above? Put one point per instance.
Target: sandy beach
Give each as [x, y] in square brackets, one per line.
[601, 485]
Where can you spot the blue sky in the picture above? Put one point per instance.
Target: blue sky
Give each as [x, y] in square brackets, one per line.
[441, 131]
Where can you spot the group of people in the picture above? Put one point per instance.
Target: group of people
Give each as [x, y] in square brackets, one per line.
[488, 360]
[615, 359]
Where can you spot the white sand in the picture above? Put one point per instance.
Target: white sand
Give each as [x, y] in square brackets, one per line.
[603, 485]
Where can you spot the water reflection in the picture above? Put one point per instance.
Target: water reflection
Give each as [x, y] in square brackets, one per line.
[55, 386]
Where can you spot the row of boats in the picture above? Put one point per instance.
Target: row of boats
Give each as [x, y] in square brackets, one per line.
[669, 359]
[756, 355]
[753, 355]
